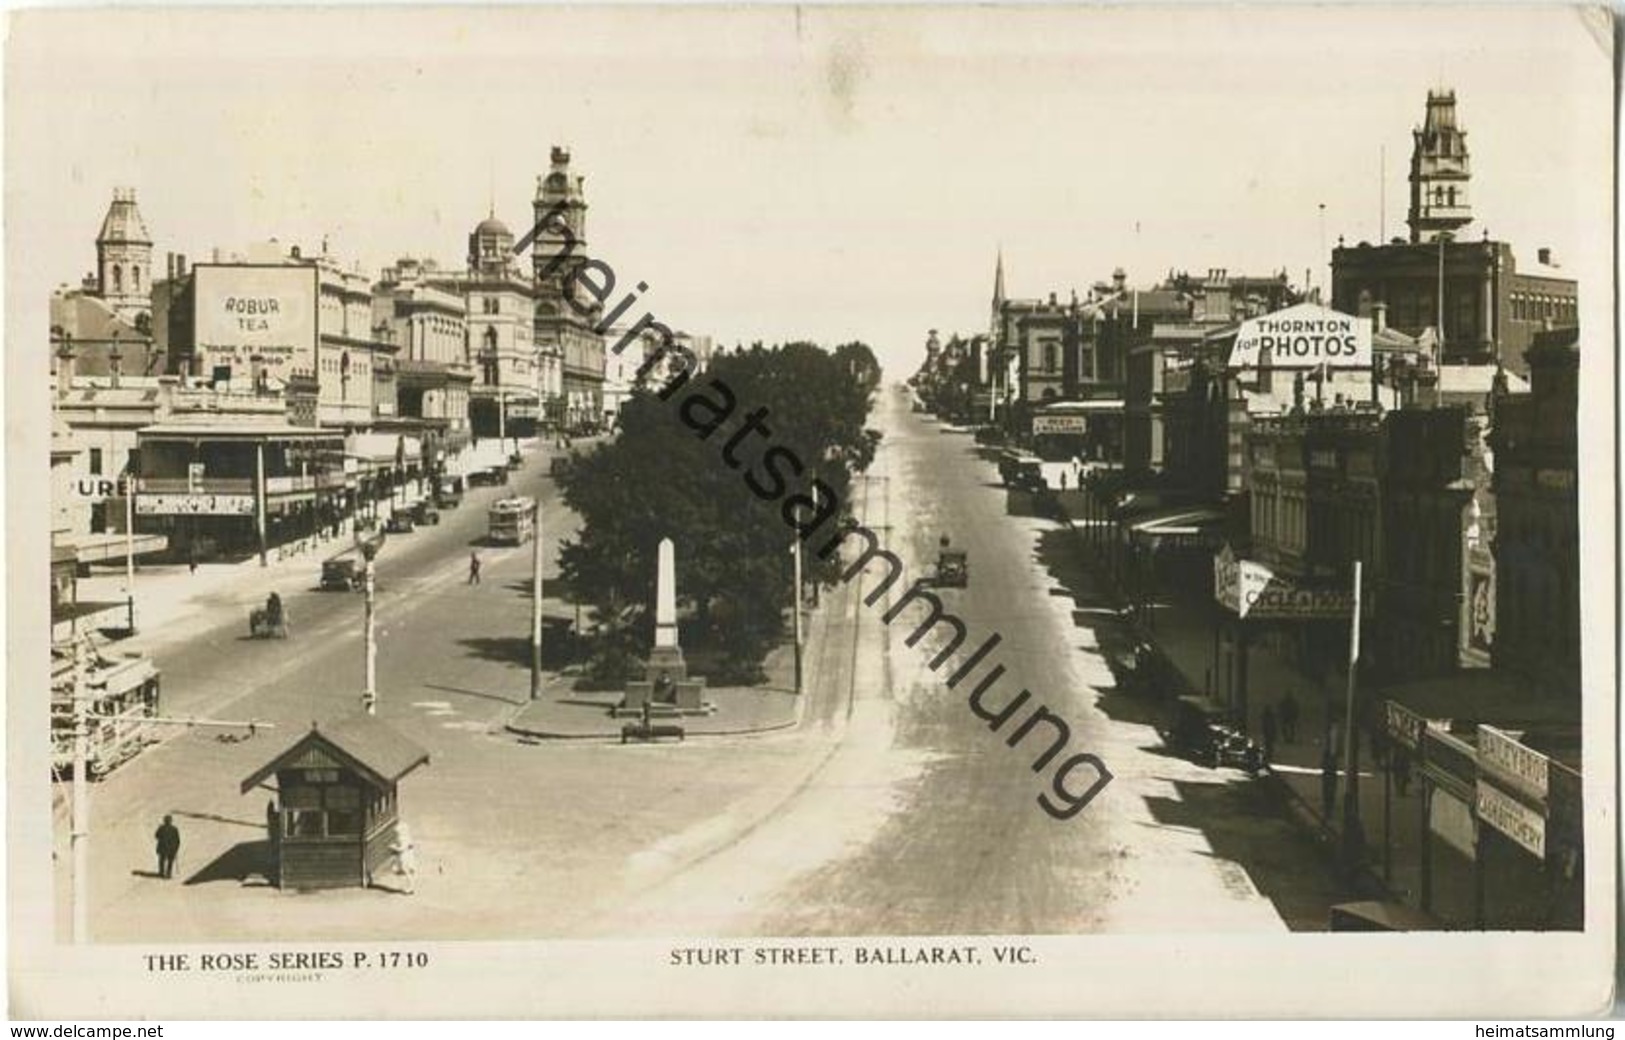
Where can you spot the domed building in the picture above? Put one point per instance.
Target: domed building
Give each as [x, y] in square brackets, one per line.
[504, 400]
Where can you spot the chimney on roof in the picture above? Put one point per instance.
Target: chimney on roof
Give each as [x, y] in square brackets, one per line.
[180, 265]
[1379, 316]
[64, 367]
[1544, 255]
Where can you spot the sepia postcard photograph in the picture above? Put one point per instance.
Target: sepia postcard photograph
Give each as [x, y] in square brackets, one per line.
[811, 511]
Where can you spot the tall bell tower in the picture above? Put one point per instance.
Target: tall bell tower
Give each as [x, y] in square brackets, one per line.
[558, 253]
[566, 317]
[1439, 172]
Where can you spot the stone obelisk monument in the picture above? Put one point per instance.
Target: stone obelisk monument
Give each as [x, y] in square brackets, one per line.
[667, 657]
[666, 688]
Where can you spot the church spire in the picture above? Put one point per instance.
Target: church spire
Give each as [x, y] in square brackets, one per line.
[998, 280]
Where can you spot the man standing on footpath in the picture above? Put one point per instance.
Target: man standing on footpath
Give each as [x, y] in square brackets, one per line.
[169, 846]
[473, 568]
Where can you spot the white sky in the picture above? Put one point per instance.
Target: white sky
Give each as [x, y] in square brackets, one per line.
[818, 173]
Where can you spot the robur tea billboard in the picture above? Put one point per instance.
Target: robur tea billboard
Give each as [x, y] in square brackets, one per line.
[245, 312]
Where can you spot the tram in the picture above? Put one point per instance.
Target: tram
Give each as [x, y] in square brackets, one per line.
[512, 521]
[121, 693]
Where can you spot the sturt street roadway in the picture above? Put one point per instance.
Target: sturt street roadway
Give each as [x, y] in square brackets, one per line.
[890, 809]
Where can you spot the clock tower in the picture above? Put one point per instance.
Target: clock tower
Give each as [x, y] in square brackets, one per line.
[1439, 172]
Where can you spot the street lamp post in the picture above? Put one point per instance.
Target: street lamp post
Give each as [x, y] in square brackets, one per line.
[369, 692]
[795, 603]
[536, 608]
[1353, 839]
[79, 835]
[129, 547]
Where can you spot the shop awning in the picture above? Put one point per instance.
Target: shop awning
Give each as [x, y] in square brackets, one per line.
[1103, 404]
[94, 548]
[1488, 696]
[65, 612]
[1187, 522]
[381, 447]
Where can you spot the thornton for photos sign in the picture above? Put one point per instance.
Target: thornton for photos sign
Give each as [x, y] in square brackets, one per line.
[1305, 336]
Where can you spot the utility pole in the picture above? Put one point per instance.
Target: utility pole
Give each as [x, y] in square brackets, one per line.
[536, 608]
[1353, 839]
[79, 834]
[1438, 341]
[259, 498]
[129, 546]
[795, 551]
[369, 693]
[1322, 257]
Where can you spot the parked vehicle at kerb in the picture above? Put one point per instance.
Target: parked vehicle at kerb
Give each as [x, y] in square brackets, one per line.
[953, 568]
[1027, 475]
[343, 570]
[1202, 729]
[424, 512]
[1021, 469]
[401, 523]
[122, 692]
[447, 496]
[512, 520]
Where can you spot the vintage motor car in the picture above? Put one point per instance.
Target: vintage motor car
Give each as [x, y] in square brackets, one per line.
[424, 512]
[447, 497]
[400, 523]
[952, 568]
[1202, 728]
[342, 572]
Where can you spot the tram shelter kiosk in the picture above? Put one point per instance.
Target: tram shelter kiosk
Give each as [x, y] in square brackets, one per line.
[336, 811]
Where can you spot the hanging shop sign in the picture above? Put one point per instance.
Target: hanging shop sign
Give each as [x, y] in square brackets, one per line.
[194, 505]
[1043, 424]
[1512, 818]
[1517, 766]
[1404, 725]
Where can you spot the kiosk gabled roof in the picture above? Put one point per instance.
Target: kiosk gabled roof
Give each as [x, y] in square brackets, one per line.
[370, 747]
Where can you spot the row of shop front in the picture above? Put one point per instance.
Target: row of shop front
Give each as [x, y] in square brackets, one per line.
[233, 489]
[1481, 810]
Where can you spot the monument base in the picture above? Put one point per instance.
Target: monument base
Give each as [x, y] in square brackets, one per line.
[667, 661]
[689, 700]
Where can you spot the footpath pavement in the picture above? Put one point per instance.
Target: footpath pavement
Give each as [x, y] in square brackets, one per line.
[771, 705]
[1180, 624]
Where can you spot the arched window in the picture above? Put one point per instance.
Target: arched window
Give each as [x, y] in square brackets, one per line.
[135, 278]
[118, 278]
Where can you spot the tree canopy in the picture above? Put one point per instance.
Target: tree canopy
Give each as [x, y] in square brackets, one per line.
[723, 463]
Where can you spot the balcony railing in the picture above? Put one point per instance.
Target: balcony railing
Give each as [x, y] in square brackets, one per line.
[239, 485]
[206, 486]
